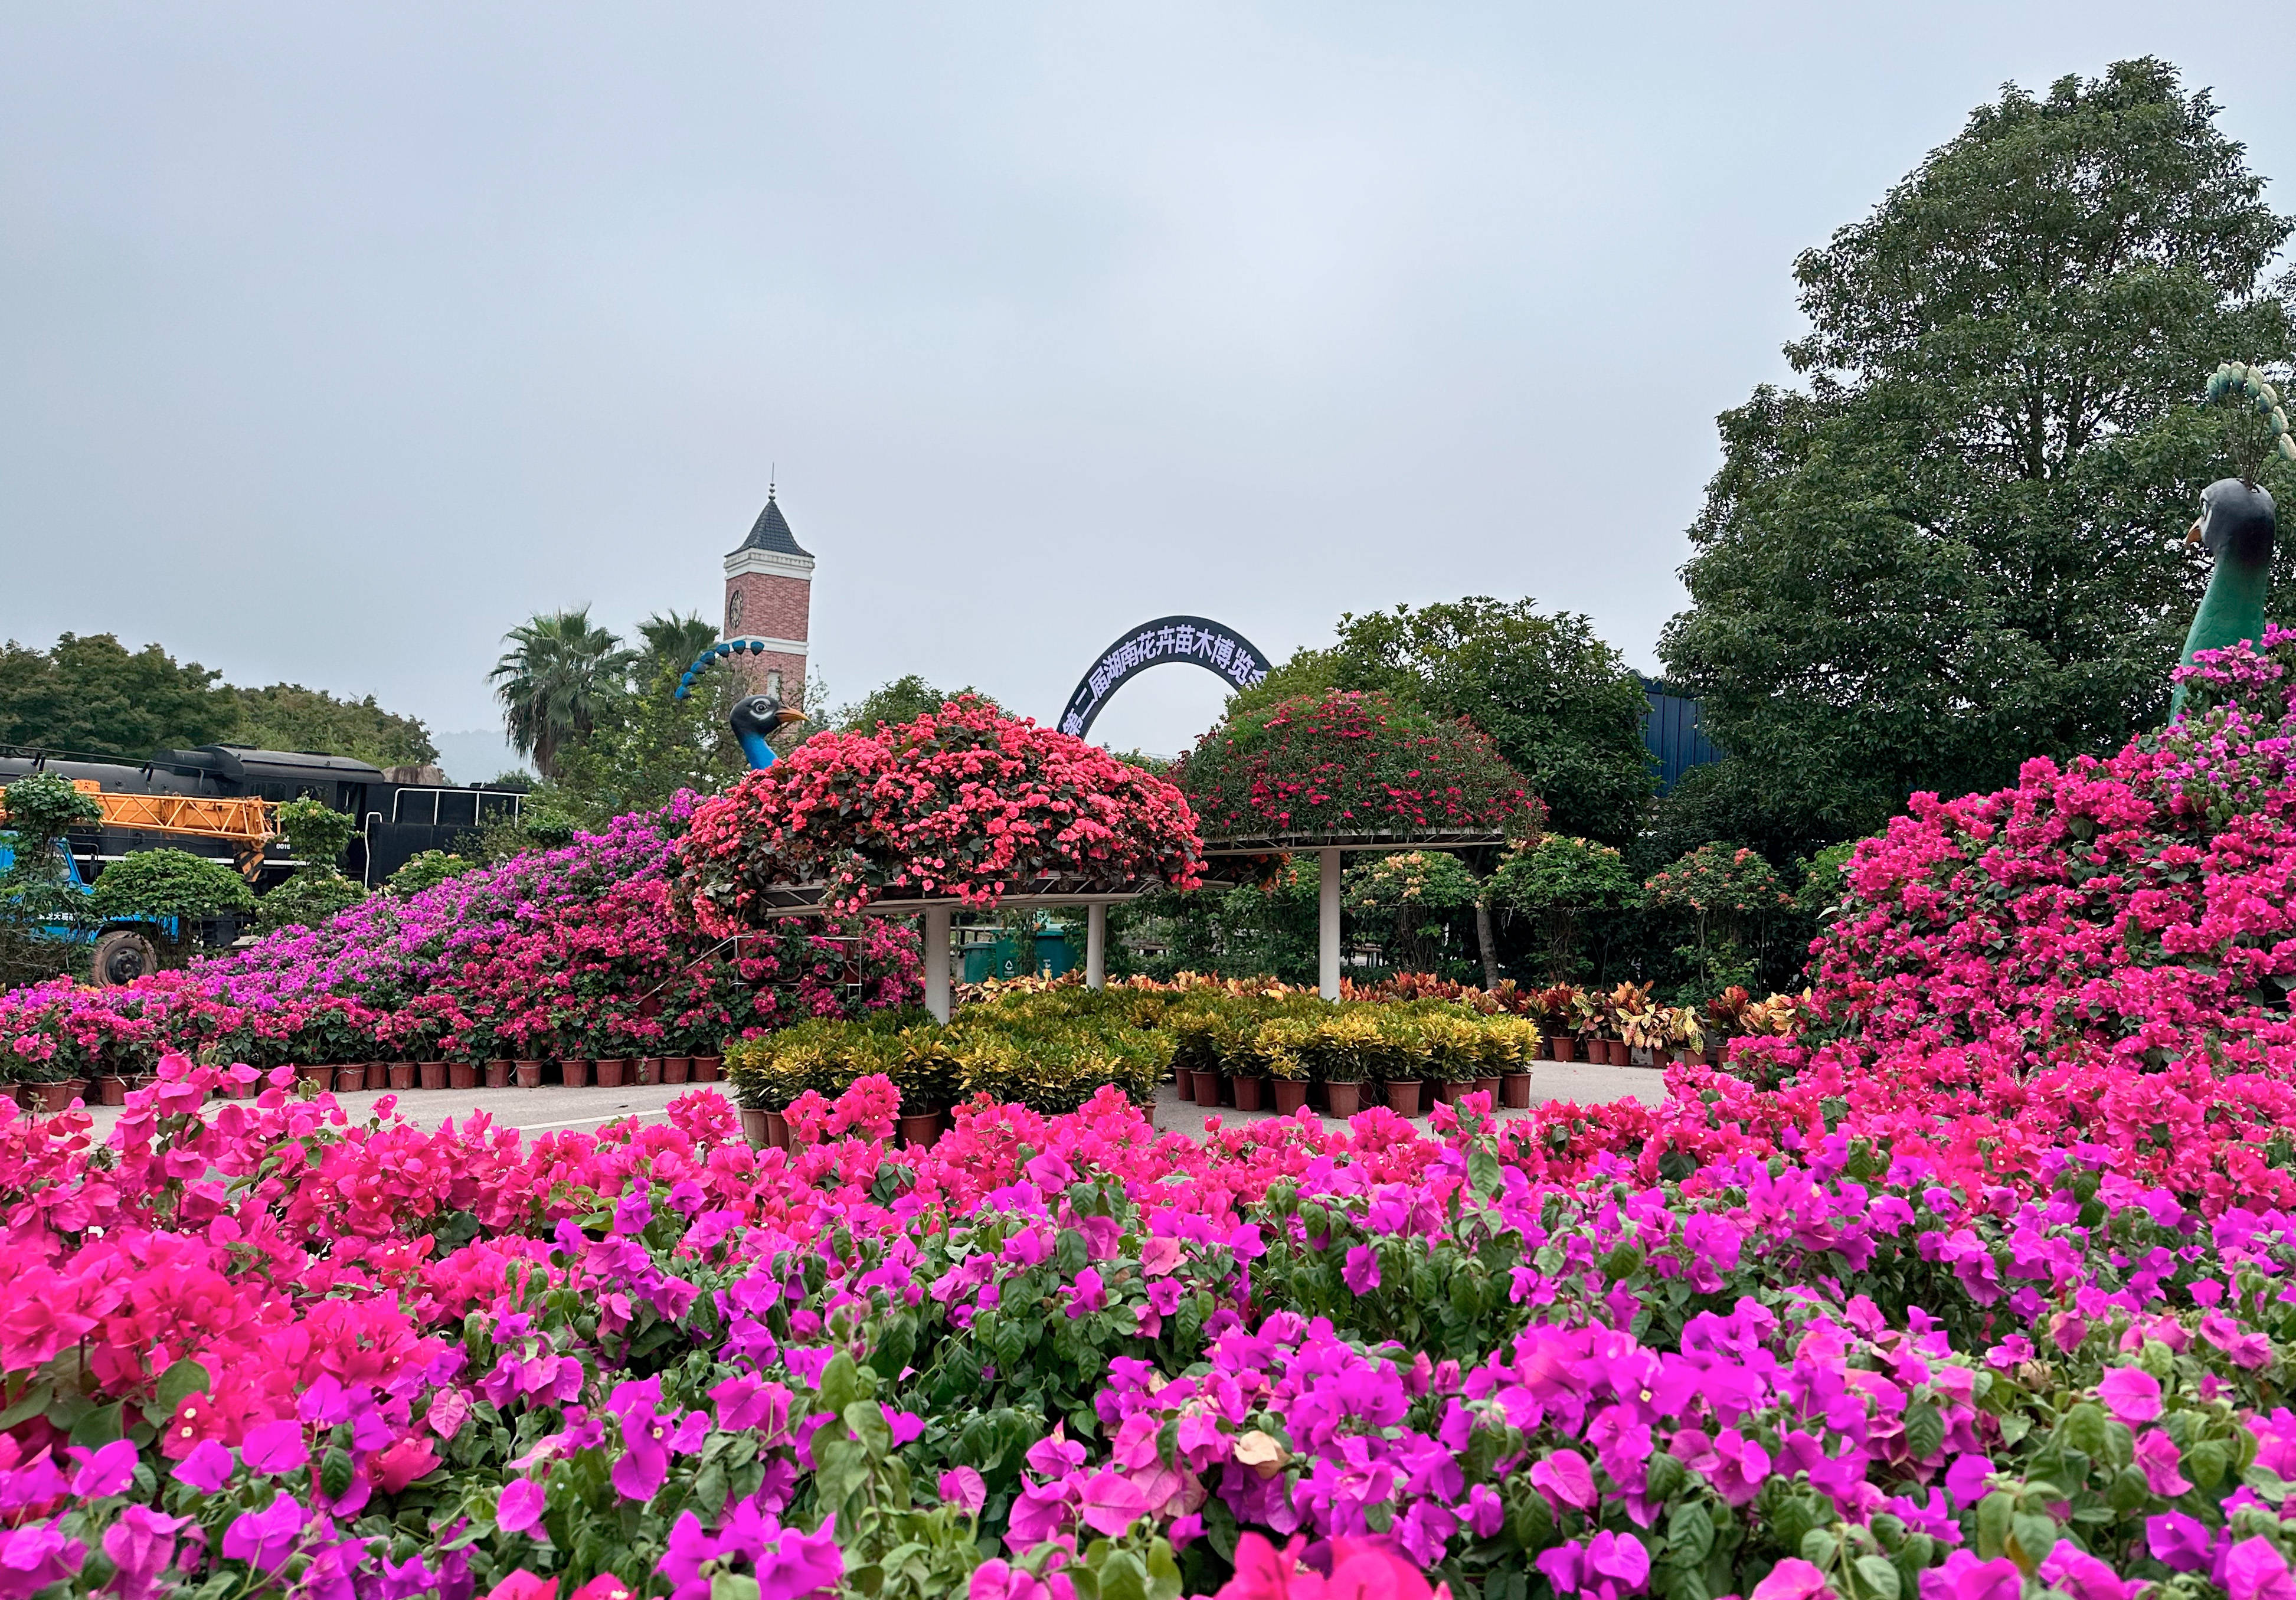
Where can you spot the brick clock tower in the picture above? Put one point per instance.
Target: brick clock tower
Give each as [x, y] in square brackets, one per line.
[769, 596]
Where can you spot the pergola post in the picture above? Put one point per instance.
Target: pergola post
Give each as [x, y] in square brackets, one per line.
[1327, 925]
[1096, 945]
[937, 954]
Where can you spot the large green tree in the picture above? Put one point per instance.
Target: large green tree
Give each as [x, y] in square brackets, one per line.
[1957, 546]
[290, 716]
[1561, 705]
[560, 676]
[91, 694]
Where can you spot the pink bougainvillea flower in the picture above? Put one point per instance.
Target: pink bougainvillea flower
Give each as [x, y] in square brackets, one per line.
[2081, 1575]
[2131, 1394]
[519, 1505]
[208, 1468]
[965, 1489]
[1793, 1578]
[2157, 1454]
[2255, 1570]
[104, 1472]
[524, 1586]
[263, 1538]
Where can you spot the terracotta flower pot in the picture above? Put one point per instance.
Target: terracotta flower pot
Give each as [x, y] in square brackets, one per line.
[351, 1079]
[1488, 1086]
[777, 1133]
[574, 1074]
[58, 1094]
[1403, 1098]
[434, 1074]
[112, 1091]
[498, 1074]
[675, 1069]
[1684, 1057]
[401, 1075]
[313, 1073]
[649, 1069]
[920, 1131]
[1344, 1099]
[528, 1074]
[705, 1068]
[1563, 1047]
[1514, 1090]
[462, 1075]
[378, 1074]
[1448, 1090]
[1247, 1093]
[1208, 1090]
[753, 1127]
[1290, 1094]
[609, 1071]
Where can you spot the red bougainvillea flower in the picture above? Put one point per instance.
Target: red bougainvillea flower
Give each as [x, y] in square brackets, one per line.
[965, 802]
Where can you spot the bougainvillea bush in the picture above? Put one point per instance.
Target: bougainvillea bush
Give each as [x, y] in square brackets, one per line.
[1985, 1297]
[965, 802]
[569, 952]
[1352, 762]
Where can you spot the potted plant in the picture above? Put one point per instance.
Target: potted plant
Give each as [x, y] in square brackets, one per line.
[498, 1072]
[745, 1066]
[1510, 1045]
[433, 1073]
[1399, 1052]
[352, 1078]
[1453, 1046]
[1339, 1052]
[706, 1067]
[378, 1074]
[399, 1075]
[677, 1069]
[1247, 1071]
[1280, 1045]
[1685, 1034]
[927, 1073]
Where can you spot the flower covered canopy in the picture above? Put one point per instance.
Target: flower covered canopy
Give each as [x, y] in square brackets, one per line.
[1351, 763]
[965, 802]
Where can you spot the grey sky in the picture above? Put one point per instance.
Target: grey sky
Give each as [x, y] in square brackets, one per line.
[335, 339]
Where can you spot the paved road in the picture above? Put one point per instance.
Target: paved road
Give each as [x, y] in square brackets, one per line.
[543, 1110]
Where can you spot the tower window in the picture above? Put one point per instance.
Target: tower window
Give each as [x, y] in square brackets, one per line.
[774, 685]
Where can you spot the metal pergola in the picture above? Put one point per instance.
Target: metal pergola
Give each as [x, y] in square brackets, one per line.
[1328, 848]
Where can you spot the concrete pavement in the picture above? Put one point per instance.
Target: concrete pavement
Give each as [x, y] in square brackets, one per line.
[554, 1107]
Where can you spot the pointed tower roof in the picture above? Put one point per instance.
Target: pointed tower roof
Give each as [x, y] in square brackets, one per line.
[772, 532]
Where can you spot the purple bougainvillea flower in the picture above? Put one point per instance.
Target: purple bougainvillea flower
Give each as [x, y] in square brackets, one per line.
[2131, 1394]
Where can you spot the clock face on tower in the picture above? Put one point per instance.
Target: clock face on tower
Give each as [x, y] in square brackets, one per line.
[733, 614]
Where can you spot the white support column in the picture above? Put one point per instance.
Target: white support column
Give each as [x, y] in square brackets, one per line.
[937, 961]
[1327, 927]
[1096, 945]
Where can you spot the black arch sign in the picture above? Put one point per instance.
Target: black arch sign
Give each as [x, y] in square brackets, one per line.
[1198, 641]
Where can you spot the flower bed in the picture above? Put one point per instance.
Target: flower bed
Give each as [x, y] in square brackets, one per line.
[1983, 1302]
[568, 953]
[1354, 764]
[965, 802]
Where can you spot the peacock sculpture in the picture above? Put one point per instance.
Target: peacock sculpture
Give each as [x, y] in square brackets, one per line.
[2237, 527]
[755, 718]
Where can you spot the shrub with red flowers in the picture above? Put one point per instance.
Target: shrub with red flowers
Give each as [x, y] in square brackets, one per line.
[568, 953]
[1348, 762]
[965, 802]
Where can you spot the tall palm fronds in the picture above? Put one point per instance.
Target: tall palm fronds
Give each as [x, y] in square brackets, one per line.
[672, 641]
[552, 682]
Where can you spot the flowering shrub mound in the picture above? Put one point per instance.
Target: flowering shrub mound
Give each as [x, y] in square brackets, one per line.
[1350, 762]
[564, 953]
[2103, 953]
[965, 802]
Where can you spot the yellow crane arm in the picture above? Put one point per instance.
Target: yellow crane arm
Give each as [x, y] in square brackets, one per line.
[245, 825]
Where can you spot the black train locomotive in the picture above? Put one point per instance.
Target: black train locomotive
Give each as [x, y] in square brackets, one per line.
[398, 820]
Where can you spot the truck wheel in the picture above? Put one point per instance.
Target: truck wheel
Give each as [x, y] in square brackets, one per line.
[122, 955]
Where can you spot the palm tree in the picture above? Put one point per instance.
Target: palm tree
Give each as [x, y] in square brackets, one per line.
[557, 674]
[672, 641]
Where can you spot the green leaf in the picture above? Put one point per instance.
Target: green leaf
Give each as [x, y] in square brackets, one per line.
[1924, 1430]
[1689, 1534]
[2086, 1432]
[841, 1384]
[36, 1399]
[1820, 1546]
[1163, 1572]
[100, 1426]
[1123, 1577]
[2205, 1463]
[1877, 1577]
[182, 1377]
[336, 1473]
[2032, 1537]
[1993, 1515]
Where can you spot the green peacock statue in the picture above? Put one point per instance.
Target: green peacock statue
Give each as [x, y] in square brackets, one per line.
[2236, 526]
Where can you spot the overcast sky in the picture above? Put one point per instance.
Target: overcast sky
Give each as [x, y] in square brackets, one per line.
[336, 340]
